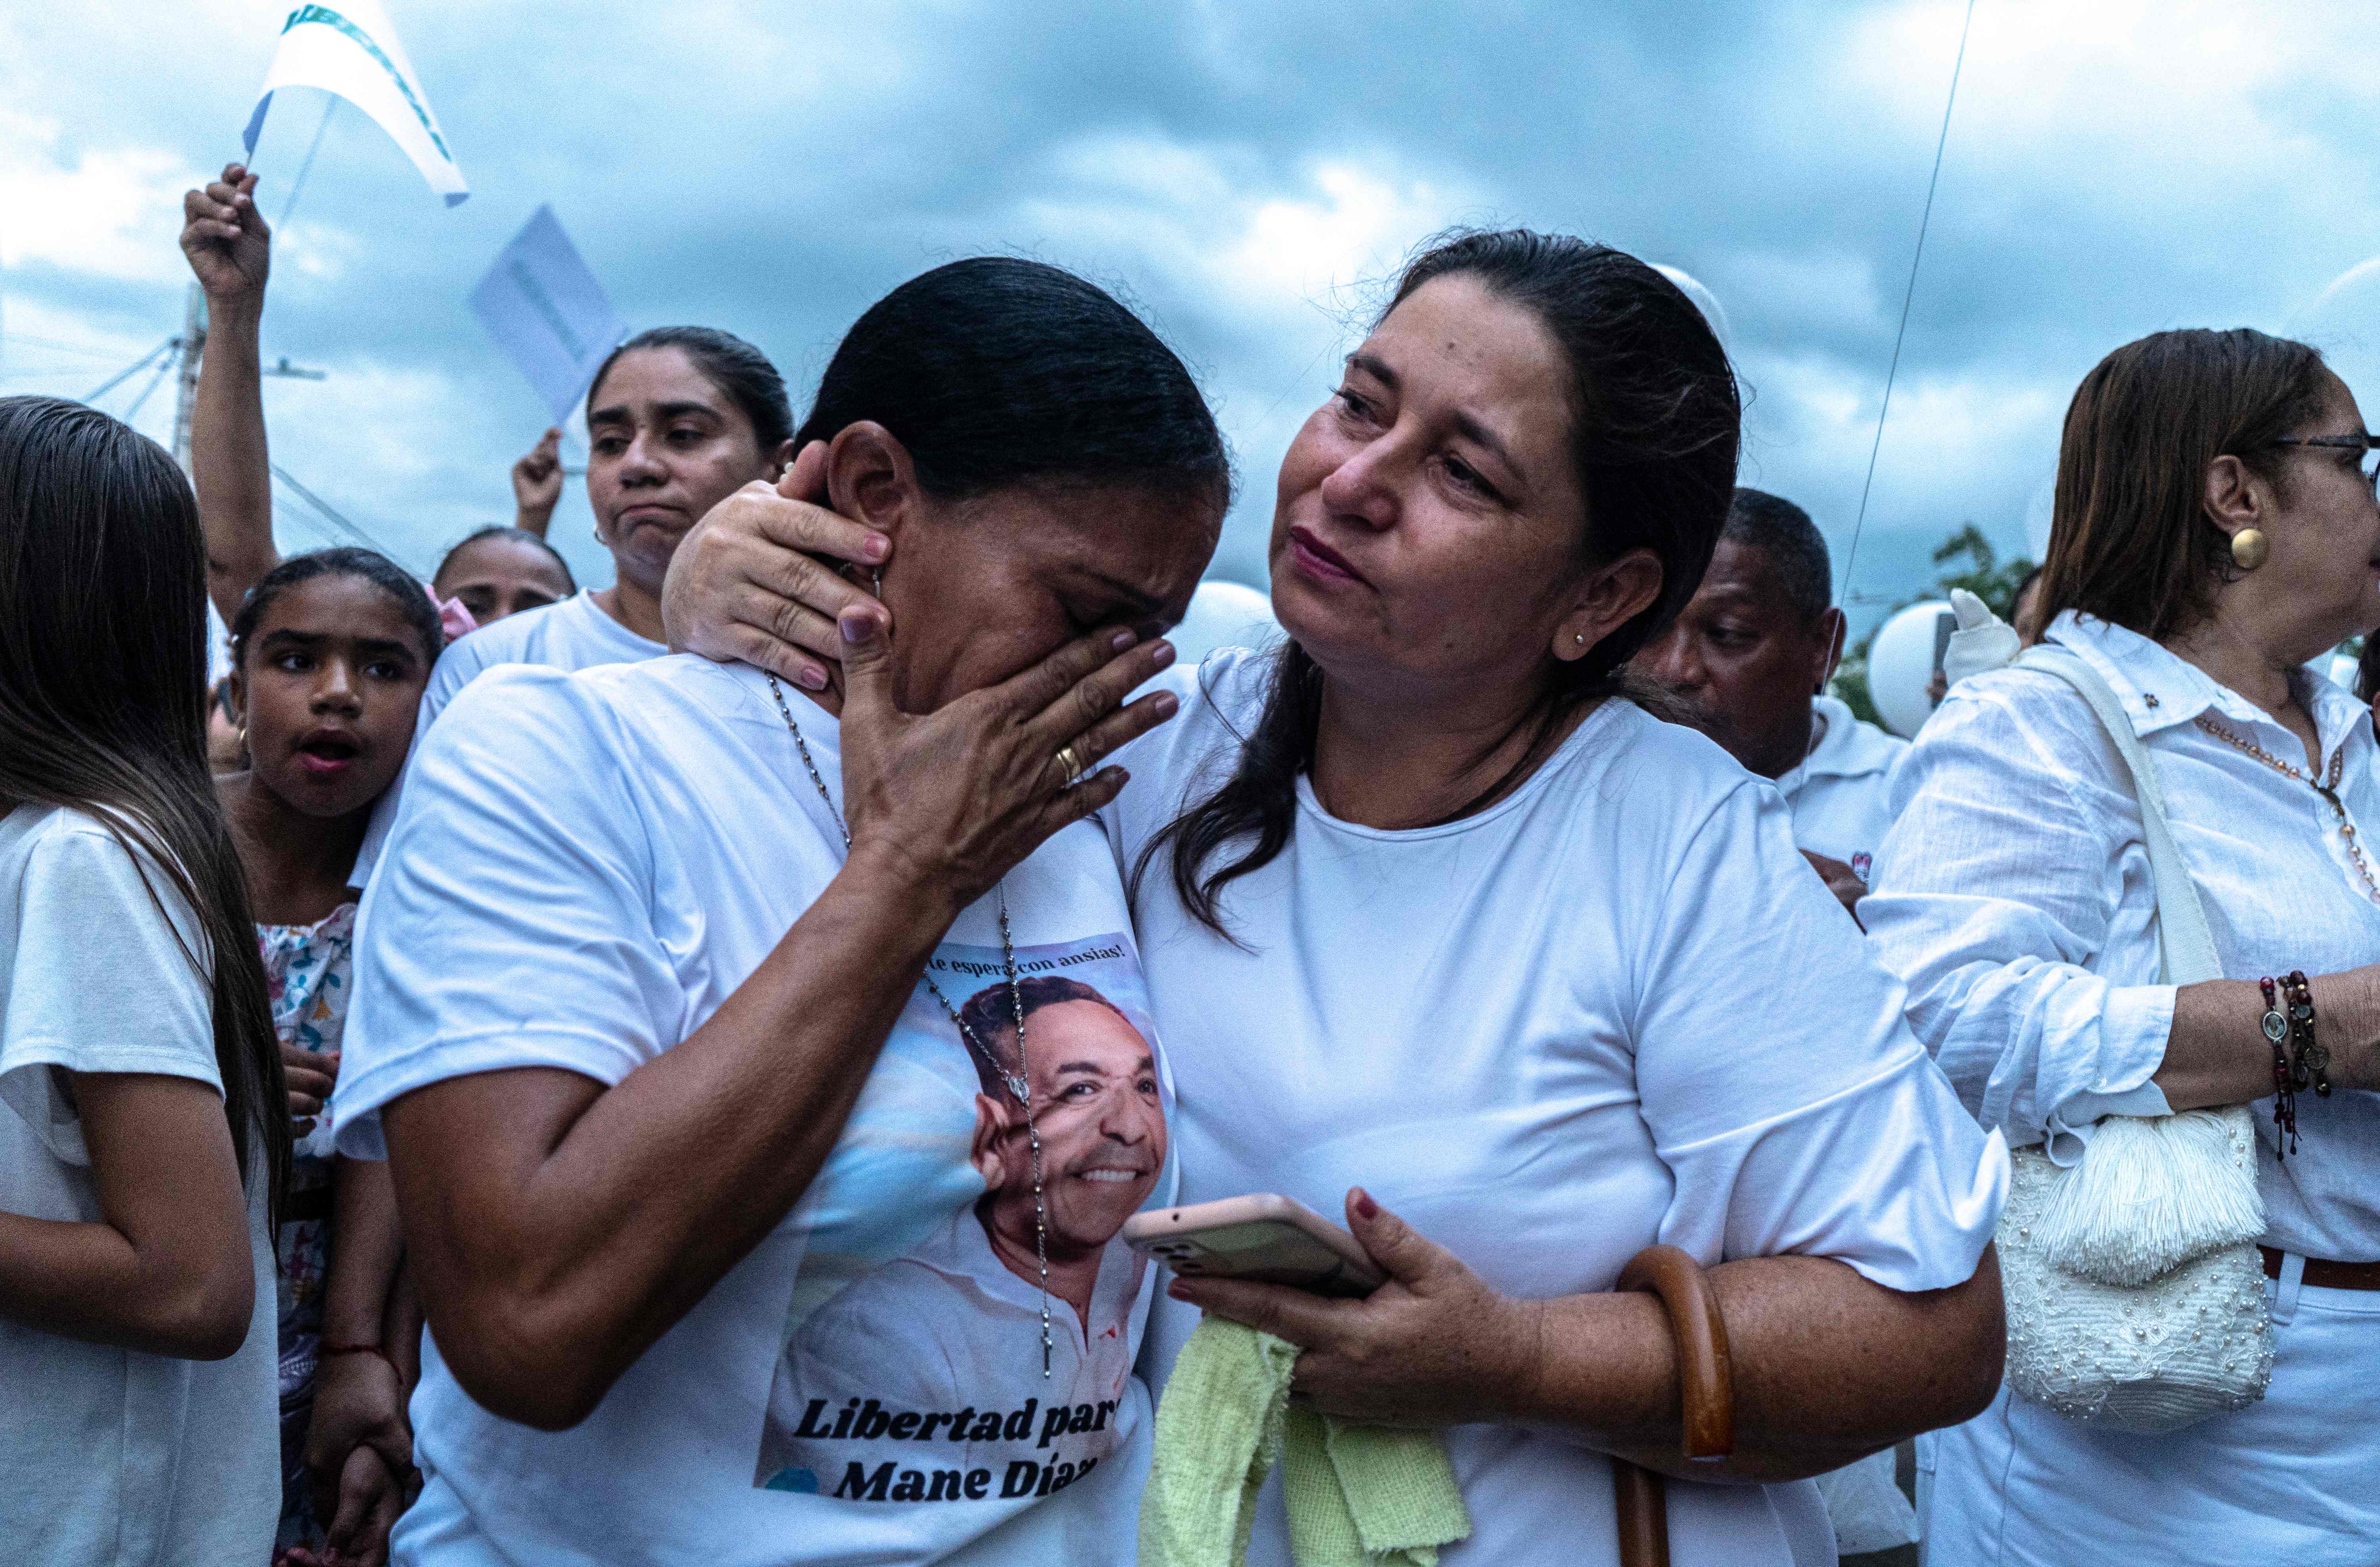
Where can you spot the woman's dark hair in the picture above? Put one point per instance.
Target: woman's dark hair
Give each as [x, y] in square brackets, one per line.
[508, 534]
[2130, 540]
[995, 372]
[1655, 419]
[103, 707]
[737, 368]
[403, 589]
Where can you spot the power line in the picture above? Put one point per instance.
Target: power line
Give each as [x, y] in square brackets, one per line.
[1908, 296]
[330, 514]
[113, 382]
[164, 369]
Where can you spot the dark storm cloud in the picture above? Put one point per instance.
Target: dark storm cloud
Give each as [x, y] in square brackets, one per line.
[1238, 171]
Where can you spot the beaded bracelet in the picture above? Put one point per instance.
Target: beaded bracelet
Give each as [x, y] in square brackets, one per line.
[2312, 1058]
[2276, 1026]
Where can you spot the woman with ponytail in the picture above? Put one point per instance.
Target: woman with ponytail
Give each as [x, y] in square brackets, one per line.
[141, 1129]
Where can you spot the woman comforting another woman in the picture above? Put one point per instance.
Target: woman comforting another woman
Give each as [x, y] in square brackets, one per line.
[760, 1181]
[1435, 918]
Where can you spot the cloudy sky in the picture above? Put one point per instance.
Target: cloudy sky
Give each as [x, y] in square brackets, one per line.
[1244, 172]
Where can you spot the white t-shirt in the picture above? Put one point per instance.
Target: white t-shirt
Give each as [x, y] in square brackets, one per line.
[1841, 794]
[113, 1455]
[572, 634]
[1612, 1009]
[585, 867]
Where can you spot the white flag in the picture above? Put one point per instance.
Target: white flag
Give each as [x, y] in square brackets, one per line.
[542, 305]
[350, 49]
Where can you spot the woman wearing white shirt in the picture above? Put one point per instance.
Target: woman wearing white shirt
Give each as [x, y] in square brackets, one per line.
[2215, 529]
[659, 1030]
[1450, 921]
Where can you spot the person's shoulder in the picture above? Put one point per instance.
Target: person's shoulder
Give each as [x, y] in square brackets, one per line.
[96, 874]
[721, 689]
[1867, 749]
[1632, 783]
[2019, 700]
[1222, 697]
[513, 639]
[29, 828]
[520, 719]
[80, 842]
[1229, 682]
[1694, 770]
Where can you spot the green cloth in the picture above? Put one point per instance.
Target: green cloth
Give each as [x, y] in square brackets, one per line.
[1358, 1496]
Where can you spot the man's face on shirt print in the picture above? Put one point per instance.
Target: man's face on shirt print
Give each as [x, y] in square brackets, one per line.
[1102, 1127]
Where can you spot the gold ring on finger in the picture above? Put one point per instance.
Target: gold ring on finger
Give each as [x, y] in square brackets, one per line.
[1071, 762]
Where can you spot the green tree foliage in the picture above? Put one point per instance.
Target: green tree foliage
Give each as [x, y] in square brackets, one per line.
[1983, 574]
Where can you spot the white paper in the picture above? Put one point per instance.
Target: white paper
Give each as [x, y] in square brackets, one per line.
[350, 49]
[545, 309]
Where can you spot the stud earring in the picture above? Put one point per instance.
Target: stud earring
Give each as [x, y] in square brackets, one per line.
[2249, 548]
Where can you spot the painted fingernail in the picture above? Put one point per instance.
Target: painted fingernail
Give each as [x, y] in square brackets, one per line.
[811, 679]
[855, 625]
[876, 547]
[1121, 640]
[1165, 704]
[1163, 654]
[1178, 1290]
[1364, 1205]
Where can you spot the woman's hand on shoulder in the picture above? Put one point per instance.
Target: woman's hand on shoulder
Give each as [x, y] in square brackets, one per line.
[753, 581]
[948, 802]
[1433, 1346]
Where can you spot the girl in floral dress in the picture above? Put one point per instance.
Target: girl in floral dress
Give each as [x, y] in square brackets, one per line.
[330, 655]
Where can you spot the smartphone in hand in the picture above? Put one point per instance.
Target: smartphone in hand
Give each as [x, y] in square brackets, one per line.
[1265, 1237]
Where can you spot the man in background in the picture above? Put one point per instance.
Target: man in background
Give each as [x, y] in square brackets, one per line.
[1749, 660]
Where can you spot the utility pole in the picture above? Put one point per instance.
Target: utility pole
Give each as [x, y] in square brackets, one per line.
[192, 345]
[185, 390]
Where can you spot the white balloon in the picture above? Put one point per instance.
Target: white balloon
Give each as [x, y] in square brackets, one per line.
[1705, 301]
[2344, 323]
[1901, 667]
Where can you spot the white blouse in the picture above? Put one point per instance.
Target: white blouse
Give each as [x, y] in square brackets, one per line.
[1612, 1009]
[2013, 897]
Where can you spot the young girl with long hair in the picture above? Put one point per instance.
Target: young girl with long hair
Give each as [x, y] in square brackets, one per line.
[141, 1139]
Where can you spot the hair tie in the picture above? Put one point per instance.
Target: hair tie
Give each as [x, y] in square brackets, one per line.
[452, 618]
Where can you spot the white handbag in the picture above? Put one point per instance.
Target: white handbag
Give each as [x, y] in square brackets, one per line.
[2136, 1291]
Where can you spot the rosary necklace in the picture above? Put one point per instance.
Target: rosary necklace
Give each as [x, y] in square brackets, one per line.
[2328, 790]
[1015, 1081]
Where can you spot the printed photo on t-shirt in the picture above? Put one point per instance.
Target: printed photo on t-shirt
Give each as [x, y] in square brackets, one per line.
[924, 1359]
